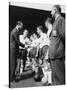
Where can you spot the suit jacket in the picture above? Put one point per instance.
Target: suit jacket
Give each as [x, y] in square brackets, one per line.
[14, 39]
[57, 38]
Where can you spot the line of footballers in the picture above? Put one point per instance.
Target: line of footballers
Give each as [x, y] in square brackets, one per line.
[35, 53]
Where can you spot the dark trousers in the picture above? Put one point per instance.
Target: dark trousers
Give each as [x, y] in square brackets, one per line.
[24, 57]
[58, 71]
[12, 63]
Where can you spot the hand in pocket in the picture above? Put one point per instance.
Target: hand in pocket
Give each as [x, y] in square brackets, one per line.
[54, 33]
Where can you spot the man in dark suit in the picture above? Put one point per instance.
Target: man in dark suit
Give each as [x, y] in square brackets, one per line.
[57, 48]
[14, 48]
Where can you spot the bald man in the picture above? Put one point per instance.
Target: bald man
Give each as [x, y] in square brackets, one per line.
[56, 49]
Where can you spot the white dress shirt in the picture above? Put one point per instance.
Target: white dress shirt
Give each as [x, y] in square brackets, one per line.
[44, 40]
[23, 40]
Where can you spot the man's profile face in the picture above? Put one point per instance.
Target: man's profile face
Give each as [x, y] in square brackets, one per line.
[20, 26]
[25, 32]
[53, 11]
[46, 24]
[35, 36]
[31, 38]
[38, 31]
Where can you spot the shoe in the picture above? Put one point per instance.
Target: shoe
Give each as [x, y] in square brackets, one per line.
[49, 84]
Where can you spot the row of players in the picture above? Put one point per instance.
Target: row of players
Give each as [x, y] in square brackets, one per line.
[37, 50]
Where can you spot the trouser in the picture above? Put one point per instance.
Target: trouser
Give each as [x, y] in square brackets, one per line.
[18, 66]
[24, 57]
[58, 71]
[12, 64]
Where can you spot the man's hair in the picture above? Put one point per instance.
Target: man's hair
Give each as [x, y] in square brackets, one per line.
[49, 20]
[40, 27]
[25, 30]
[58, 8]
[19, 23]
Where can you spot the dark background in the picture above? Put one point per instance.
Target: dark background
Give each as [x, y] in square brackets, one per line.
[30, 17]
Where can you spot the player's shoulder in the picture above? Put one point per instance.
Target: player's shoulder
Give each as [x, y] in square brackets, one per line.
[21, 35]
[44, 34]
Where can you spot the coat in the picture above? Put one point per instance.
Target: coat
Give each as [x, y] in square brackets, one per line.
[57, 39]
